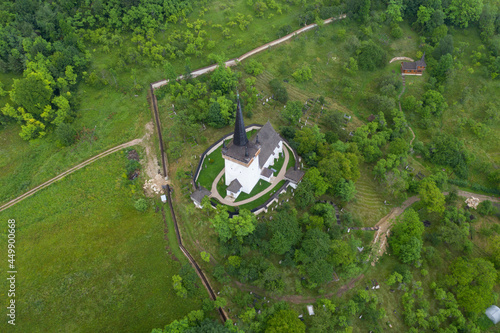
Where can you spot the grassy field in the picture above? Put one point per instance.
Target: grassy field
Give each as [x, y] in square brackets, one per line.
[368, 204]
[87, 261]
[212, 166]
[109, 117]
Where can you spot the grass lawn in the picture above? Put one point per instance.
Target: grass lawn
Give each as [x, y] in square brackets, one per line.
[110, 117]
[261, 186]
[291, 159]
[88, 261]
[212, 166]
[368, 205]
[221, 186]
[262, 199]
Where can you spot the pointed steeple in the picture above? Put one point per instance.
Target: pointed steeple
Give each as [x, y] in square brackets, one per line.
[240, 135]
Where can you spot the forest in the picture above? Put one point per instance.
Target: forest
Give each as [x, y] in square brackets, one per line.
[74, 77]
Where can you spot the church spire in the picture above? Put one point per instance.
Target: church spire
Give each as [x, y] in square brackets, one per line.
[240, 135]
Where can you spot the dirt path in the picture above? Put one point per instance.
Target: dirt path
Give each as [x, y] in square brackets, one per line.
[261, 48]
[379, 243]
[151, 164]
[400, 58]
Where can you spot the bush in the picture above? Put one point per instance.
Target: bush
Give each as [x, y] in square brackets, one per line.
[396, 32]
[254, 67]
[66, 134]
[486, 208]
[141, 205]
[302, 74]
[279, 91]
[372, 56]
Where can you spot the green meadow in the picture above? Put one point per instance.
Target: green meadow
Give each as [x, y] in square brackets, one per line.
[88, 261]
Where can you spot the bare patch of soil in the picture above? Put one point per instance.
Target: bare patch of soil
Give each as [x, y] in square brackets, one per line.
[152, 186]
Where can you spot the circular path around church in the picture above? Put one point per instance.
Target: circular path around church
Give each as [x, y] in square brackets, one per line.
[277, 179]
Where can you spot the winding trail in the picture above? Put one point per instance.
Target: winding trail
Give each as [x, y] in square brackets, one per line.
[264, 47]
[69, 171]
[385, 224]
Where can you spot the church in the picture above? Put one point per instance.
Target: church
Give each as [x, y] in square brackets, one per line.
[248, 161]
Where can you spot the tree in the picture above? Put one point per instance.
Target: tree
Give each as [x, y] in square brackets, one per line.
[434, 103]
[302, 74]
[254, 67]
[293, 112]
[444, 66]
[317, 181]
[32, 93]
[237, 227]
[406, 239]
[223, 79]
[285, 231]
[472, 281]
[205, 256]
[285, 321]
[463, 12]
[341, 255]
[486, 208]
[178, 287]
[279, 91]
[394, 278]
[431, 196]
[394, 10]
[371, 56]
[169, 72]
[346, 190]
[304, 195]
[66, 134]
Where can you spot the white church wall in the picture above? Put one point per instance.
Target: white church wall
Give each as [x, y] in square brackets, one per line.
[248, 177]
[274, 156]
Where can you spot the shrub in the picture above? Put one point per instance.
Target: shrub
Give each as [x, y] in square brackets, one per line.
[65, 134]
[486, 208]
[141, 205]
[279, 91]
[396, 32]
[302, 74]
[254, 67]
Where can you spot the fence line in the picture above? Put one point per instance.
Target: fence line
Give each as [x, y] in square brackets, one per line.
[174, 218]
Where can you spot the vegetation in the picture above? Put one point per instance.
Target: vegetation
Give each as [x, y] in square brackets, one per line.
[81, 244]
[73, 87]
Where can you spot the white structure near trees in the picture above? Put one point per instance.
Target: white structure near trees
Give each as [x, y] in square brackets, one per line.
[493, 313]
[248, 161]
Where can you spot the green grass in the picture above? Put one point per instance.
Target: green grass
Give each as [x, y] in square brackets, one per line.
[368, 205]
[262, 199]
[221, 186]
[291, 159]
[88, 261]
[212, 166]
[278, 164]
[259, 187]
[114, 118]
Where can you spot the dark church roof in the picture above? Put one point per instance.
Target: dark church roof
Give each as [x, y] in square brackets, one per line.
[240, 135]
[414, 65]
[243, 154]
[234, 187]
[266, 172]
[269, 140]
[199, 194]
[294, 175]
